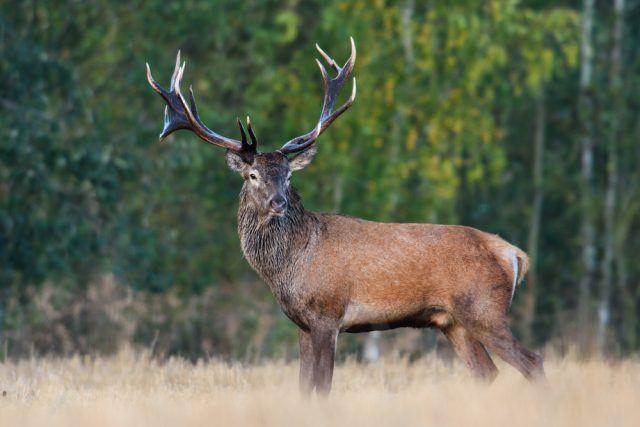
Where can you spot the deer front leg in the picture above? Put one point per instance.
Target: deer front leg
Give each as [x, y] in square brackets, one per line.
[324, 348]
[306, 362]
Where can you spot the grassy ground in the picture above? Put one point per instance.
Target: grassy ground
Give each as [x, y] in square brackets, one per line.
[132, 389]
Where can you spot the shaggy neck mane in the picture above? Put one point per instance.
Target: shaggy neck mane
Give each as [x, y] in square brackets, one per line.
[272, 244]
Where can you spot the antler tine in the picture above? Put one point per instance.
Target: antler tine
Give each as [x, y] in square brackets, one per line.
[243, 135]
[245, 144]
[192, 103]
[254, 140]
[180, 115]
[176, 69]
[154, 84]
[333, 64]
[331, 88]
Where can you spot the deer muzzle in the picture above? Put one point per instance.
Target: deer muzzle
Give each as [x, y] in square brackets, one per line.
[278, 204]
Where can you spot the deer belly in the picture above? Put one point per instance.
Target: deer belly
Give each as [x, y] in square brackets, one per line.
[364, 317]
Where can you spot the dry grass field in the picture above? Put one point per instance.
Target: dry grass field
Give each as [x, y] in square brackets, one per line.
[133, 389]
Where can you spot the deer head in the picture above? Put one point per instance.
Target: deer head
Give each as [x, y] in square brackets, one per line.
[266, 175]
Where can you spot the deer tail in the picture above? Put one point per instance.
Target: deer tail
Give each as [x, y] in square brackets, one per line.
[523, 265]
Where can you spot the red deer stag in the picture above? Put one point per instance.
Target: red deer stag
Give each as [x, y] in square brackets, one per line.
[332, 273]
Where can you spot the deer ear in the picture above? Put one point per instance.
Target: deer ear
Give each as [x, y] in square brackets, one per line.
[302, 159]
[236, 162]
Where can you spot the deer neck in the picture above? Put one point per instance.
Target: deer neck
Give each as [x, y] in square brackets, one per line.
[273, 245]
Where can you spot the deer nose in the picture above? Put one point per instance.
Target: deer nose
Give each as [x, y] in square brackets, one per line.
[278, 204]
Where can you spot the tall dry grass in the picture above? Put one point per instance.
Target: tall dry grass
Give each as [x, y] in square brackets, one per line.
[133, 389]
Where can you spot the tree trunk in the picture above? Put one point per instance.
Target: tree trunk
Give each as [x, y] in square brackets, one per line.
[627, 213]
[3, 301]
[586, 184]
[371, 352]
[529, 304]
[611, 195]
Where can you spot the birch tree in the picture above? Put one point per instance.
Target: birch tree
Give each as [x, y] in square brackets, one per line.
[611, 192]
[586, 176]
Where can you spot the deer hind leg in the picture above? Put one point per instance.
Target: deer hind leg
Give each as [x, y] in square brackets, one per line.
[472, 352]
[501, 341]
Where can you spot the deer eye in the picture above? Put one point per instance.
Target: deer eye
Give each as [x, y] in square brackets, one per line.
[252, 176]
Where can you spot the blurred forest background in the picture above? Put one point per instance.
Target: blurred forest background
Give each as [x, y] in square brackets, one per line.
[517, 117]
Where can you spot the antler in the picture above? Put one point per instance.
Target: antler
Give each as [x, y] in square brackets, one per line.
[331, 88]
[179, 115]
